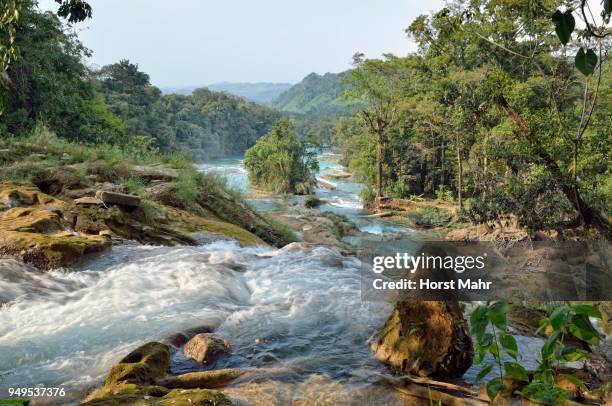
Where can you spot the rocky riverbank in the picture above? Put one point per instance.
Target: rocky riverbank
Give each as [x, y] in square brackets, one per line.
[61, 216]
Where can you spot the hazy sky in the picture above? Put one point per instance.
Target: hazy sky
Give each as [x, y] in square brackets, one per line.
[191, 42]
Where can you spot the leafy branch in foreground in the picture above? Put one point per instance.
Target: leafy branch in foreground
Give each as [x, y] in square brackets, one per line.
[489, 326]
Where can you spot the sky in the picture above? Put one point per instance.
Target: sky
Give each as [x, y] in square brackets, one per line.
[194, 42]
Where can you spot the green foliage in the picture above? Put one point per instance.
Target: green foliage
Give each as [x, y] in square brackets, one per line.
[430, 217]
[281, 163]
[205, 124]
[444, 194]
[312, 202]
[586, 58]
[488, 325]
[489, 111]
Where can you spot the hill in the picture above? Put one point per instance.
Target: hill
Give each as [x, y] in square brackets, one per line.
[316, 95]
[262, 93]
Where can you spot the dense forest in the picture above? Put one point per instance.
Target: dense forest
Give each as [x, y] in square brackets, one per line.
[116, 104]
[503, 124]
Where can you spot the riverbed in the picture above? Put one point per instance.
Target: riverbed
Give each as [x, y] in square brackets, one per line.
[296, 308]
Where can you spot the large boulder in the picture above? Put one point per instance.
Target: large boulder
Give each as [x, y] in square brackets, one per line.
[142, 366]
[425, 338]
[120, 199]
[206, 348]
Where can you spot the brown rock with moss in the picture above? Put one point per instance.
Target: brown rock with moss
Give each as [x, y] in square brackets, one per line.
[35, 230]
[205, 348]
[133, 382]
[425, 338]
[203, 379]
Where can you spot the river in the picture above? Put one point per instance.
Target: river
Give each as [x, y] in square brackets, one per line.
[294, 308]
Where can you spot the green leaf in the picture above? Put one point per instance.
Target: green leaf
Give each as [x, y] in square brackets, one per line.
[549, 345]
[484, 372]
[582, 328]
[575, 381]
[478, 322]
[587, 310]
[564, 25]
[509, 344]
[557, 317]
[572, 353]
[543, 325]
[586, 61]
[497, 314]
[607, 6]
[516, 371]
[493, 387]
[494, 350]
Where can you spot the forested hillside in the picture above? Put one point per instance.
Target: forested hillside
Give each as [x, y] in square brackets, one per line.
[117, 104]
[208, 124]
[262, 93]
[317, 95]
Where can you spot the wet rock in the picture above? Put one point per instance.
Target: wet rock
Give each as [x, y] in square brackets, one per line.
[136, 373]
[180, 339]
[119, 199]
[325, 184]
[142, 366]
[205, 348]
[204, 379]
[339, 174]
[425, 338]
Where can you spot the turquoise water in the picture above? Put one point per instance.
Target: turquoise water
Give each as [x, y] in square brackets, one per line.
[343, 200]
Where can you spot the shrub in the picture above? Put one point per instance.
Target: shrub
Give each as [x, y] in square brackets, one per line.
[279, 162]
[430, 217]
[312, 201]
[444, 194]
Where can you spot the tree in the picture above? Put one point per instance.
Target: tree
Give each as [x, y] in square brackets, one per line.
[280, 162]
[377, 84]
[49, 82]
[10, 12]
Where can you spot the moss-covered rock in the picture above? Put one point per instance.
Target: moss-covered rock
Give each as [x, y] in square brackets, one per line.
[33, 228]
[142, 366]
[137, 372]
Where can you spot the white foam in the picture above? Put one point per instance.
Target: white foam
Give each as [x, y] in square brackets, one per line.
[70, 327]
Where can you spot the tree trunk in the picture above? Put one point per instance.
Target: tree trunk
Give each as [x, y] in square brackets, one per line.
[485, 169]
[459, 172]
[590, 216]
[425, 338]
[378, 168]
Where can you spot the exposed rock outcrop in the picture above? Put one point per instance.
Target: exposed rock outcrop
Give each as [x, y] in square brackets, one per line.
[35, 230]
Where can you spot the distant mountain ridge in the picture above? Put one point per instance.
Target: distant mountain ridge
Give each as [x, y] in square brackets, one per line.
[317, 94]
[262, 92]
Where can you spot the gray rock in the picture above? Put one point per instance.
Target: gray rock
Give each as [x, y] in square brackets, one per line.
[119, 199]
